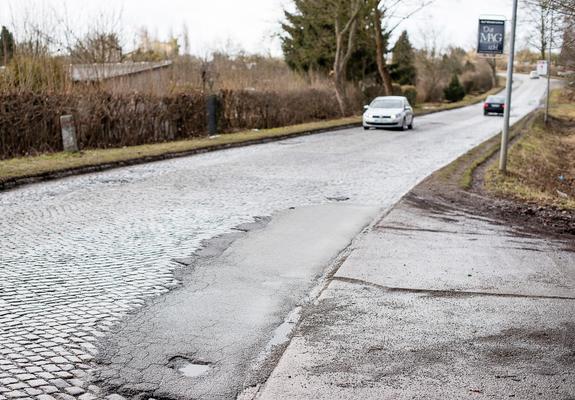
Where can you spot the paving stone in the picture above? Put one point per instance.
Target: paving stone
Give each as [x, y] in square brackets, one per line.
[63, 374]
[17, 386]
[49, 389]
[87, 396]
[115, 397]
[64, 396]
[45, 397]
[33, 391]
[78, 373]
[6, 381]
[77, 382]
[33, 370]
[25, 377]
[60, 383]
[50, 368]
[94, 389]
[15, 394]
[37, 382]
[74, 390]
[45, 375]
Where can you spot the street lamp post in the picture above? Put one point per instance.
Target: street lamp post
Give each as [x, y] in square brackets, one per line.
[507, 114]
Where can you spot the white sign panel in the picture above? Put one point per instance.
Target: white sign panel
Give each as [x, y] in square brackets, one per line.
[542, 67]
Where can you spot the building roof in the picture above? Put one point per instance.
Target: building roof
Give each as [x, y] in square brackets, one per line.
[101, 72]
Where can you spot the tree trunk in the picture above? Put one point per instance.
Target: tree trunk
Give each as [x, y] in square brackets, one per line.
[380, 50]
[493, 64]
[343, 54]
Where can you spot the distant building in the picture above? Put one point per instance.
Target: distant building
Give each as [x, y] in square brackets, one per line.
[150, 49]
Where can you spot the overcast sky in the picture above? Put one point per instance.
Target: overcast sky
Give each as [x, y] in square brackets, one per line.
[246, 24]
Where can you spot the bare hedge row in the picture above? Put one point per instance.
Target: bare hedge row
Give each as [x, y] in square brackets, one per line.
[29, 122]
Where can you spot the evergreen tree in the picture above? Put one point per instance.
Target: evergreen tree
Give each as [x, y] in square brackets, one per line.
[454, 91]
[6, 46]
[403, 61]
[308, 41]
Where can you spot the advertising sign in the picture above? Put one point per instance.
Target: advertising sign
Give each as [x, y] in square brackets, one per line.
[491, 36]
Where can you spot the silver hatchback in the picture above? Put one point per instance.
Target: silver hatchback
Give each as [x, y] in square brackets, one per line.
[388, 112]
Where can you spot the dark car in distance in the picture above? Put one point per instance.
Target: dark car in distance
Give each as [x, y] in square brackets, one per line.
[494, 105]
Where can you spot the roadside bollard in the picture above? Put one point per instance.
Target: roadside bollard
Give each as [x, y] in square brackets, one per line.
[212, 108]
[69, 140]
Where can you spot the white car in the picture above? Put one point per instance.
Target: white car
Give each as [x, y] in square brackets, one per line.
[534, 75]
[388, 112]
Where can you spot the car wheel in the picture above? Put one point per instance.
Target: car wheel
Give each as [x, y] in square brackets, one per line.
[404, 124]
[410, 126]
[366, 128]
[485, 113]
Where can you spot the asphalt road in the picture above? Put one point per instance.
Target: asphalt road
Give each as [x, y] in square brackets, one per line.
[79, 254]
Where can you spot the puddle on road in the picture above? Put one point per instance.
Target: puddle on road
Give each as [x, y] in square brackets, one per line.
[188, 367]
[193, 370]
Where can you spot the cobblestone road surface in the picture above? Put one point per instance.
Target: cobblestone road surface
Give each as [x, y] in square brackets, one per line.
[78, 254]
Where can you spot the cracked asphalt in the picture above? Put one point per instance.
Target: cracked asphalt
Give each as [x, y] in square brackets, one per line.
[78, 255]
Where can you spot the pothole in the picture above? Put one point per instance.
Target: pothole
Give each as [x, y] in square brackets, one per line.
[338, 198]
[189, 367]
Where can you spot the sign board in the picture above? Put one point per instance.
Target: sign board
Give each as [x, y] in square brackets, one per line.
[491, 36]
[542, 67]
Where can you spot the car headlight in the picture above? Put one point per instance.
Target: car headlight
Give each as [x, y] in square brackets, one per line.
[398, 115]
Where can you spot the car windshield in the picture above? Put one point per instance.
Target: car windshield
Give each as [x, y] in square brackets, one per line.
[495, 99]
[387, 103]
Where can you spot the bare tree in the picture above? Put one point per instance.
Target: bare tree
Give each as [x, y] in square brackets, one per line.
[383, 12]
[345, 22]
[542, 17]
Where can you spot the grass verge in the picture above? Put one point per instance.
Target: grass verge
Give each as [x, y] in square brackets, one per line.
[460, 173]
[541, 163]
[36, 166]
[28, 169]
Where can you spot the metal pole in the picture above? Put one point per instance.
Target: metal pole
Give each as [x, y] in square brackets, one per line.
[548, 94]
[507, 114]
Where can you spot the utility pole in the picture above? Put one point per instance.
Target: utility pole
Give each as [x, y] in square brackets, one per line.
[507, 115]
[549, 67]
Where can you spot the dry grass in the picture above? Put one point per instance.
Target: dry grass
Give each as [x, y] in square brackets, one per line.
[541, 166]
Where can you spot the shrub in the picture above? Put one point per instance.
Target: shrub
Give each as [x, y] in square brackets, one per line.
[396, 90]
[454, 91]
[411, 93]
[478, 81]
[29, 122]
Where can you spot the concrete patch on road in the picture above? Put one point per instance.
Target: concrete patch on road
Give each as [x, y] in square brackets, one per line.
[235, 307]
[361, 342]
[451, 251]
[438, 304]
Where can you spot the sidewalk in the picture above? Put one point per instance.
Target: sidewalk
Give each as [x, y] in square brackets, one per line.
[438, 304]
